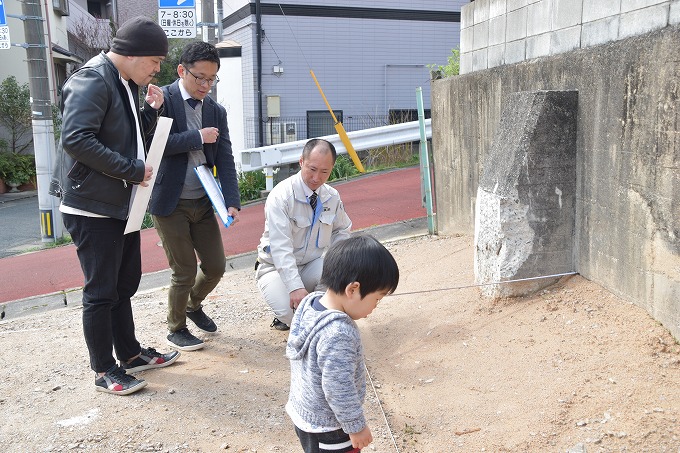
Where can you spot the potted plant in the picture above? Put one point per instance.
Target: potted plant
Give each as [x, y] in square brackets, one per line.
[17, 169]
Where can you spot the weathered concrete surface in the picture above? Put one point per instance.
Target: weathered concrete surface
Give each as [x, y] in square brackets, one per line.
[524, 222]
[628, 158]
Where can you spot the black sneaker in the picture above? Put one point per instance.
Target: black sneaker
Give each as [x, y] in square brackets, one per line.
[279, 325]
[184, 340]
[148, 359]
[202, 321]
[117, 382]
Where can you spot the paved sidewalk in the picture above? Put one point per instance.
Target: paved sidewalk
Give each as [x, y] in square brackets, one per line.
[388, 204]
[9, 196]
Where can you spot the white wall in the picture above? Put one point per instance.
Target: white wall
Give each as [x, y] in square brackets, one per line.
[230, 95]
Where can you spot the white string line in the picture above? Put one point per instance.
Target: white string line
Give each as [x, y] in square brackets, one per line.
[484, 284]
[387, 423]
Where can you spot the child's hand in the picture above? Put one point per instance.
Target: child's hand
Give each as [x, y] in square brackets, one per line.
[362, 439]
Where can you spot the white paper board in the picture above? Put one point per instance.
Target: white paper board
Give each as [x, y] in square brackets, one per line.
[142, 195]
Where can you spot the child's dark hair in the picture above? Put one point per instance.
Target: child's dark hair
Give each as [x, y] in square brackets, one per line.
[199, 51]
[360, 259]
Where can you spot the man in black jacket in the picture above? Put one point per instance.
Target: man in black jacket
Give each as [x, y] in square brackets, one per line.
[102, 154]
[182, 211]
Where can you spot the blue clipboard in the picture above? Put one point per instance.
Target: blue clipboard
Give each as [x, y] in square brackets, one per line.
[214, 193]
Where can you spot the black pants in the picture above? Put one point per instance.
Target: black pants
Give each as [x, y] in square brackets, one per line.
[112, 266]
[331, 442]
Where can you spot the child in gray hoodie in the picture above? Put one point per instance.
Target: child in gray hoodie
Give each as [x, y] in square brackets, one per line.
[328, 380]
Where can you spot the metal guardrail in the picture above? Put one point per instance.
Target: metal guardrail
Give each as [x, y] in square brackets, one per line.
[271, 156]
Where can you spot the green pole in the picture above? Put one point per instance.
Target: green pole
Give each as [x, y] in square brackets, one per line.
[425, 163]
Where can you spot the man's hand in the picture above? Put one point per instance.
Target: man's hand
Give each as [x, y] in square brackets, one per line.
[154, 96]
[296, 297]
[210, 134]
[148, 173]
[233, 212]
[362, 439]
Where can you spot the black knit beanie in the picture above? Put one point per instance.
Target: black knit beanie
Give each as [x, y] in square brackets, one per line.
[140, 37]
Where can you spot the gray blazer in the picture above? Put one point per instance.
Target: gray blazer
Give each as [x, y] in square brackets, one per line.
[172, 170]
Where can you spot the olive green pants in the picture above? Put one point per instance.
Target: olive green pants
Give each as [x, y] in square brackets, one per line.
[190, 231]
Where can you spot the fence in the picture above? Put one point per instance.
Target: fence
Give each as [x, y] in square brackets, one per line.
[293, 128]
[271, 156]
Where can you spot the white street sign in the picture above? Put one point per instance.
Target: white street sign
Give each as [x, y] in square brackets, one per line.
[4, 29]
[4, 37]
[178, 22]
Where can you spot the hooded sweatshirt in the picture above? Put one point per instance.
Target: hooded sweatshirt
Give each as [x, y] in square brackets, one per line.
[327, 377]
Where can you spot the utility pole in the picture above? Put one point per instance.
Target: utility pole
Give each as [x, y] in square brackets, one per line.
[51, 226]
[220, 16]
[208, 18]
[208, 34]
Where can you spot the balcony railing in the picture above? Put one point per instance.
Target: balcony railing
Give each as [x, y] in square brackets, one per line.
[89, 30]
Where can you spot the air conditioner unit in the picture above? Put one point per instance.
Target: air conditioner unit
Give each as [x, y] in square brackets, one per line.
[290, 131]
[273, 133]
[60, 7]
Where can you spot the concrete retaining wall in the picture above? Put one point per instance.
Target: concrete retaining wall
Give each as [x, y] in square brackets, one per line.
[627, 226]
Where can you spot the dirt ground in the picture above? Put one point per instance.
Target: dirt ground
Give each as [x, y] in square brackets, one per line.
[572, 369]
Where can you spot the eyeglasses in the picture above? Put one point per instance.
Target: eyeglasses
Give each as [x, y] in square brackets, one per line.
[202, 80]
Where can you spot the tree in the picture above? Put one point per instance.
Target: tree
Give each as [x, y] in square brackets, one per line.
[15, 114]
[89, 36]
[168, 73]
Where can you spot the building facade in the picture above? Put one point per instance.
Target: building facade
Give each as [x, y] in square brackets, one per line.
[55, 20]
[75, 30]
[368, 58]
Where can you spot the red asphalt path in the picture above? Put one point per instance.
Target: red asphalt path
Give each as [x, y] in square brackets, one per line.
[378, 199]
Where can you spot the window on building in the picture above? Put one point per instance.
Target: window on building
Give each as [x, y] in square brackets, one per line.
[397, 116]
[320, 122]
[60, 7]
[95, 8]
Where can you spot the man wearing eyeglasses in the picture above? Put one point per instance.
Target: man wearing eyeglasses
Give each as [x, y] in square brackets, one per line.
[182, 211]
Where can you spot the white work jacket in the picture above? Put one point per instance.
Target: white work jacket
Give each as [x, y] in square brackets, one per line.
[293, 234]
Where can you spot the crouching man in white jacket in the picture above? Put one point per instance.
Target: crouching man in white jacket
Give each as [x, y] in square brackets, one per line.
[303, 217]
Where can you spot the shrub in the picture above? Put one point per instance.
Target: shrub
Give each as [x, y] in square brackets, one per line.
[392, 156]
[250, 185]
[451, 68]
[343, 168]
[147, 222]
[17, 168]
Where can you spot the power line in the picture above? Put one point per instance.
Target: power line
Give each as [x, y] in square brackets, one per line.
[294, 37]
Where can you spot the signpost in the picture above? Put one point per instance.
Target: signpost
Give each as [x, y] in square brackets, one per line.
[177, 18]
[4, 29]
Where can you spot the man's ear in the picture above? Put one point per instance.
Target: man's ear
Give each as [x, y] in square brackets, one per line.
[180, 71]
[352, 288]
